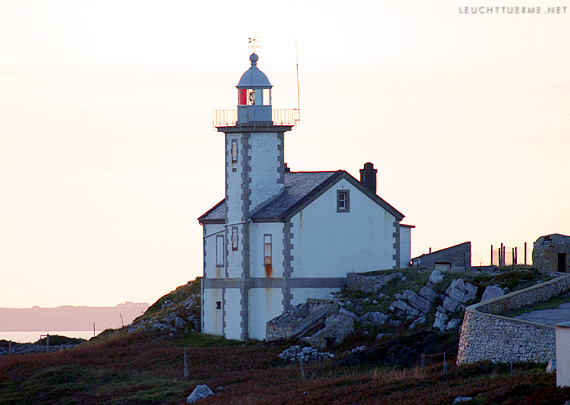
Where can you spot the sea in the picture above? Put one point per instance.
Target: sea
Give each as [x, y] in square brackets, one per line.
[31, 337]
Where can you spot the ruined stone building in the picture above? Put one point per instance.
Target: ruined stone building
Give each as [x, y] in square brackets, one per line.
[279, 236]
[552, 253]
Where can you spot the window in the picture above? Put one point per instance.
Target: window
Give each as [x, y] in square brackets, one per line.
[235, 238]
[267, 255]
[218, 304]
[246, 96]
[234, 151]
[266, 97]
[220, 250]
[343, 201]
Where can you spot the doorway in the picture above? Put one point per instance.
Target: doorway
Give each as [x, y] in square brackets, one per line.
[562, 262]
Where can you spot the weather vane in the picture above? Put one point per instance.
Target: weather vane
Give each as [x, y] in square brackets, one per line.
[253, 43]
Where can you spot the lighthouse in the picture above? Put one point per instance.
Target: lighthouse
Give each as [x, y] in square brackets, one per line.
[280, 237]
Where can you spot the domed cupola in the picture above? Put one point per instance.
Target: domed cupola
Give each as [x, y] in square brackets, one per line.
[254, 95]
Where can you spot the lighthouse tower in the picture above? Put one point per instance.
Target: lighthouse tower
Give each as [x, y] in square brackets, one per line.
[255, 171]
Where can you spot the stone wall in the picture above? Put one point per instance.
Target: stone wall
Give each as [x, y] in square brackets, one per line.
[485, 335]
[458, 257]
[552, 253]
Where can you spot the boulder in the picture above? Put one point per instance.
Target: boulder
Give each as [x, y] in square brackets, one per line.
[450, 304]
[492, 292]
[377, 318]
[551, 366]
[429, 294]
[420, 321]
[200, 392]
[416, 301]
[337, 327]
[440, 321]
[435, 277]
[453, 324]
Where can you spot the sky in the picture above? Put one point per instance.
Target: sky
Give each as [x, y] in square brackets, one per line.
[108, 155]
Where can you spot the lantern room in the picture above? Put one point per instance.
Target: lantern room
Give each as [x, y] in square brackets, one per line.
[254, 95]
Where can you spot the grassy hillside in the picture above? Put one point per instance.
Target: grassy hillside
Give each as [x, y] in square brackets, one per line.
[146, 368]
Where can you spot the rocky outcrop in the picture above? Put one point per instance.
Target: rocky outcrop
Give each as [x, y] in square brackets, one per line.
[456, 296]
[176, 312]
[303, 320]
[306, 354]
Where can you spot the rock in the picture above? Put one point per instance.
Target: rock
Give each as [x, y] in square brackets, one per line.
[370, 284]
[440, 321]
[337, 327]
[551, 366]
[307, 354]
[403, 306]
[417, 302]
[347, 312]
[450, 304]
[380, 336]
[429, 294]
[435, 277]
[200, 392]
[453, 324]
[420, 321]
[179, 323]
[382, 295]
[492, 292]
[374, 302]
[359, 349]
[462, 399]
[377, 318]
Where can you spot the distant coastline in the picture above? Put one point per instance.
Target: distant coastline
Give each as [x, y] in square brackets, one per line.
[69, 318]
[34, 336]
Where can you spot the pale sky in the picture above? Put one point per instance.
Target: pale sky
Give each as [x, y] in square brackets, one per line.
[107, 153]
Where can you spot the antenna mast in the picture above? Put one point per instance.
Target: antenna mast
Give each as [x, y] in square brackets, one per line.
[298, 93]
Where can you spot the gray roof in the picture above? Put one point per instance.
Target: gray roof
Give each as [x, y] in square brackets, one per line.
[253, 77]
[301, 188]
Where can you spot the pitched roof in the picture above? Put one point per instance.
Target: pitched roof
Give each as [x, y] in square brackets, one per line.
[301, 188]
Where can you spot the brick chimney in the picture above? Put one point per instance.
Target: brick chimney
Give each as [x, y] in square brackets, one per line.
[368, 177]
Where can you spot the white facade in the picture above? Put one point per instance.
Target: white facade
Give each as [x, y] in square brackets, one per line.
[281, 237]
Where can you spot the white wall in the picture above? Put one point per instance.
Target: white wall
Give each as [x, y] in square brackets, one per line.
[256, 248]
[233, 317]
[405, 246]
[264, 305]
[213, 318]
[331, 244]
[265, 163]
[211, 230]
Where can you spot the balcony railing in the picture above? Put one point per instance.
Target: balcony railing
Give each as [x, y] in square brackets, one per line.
[281, 116]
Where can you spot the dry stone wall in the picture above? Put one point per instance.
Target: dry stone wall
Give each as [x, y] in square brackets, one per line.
[485, 335]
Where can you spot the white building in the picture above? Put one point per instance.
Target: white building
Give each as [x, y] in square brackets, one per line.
[280, 237]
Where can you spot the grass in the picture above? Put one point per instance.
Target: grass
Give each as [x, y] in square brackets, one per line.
[550, 304]
[148, 369]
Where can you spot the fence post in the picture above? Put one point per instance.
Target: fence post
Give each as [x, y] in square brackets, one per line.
[491, 255]
[525, 253]
[302, 370]
[9, 348]
[186, 372]
[47, 342]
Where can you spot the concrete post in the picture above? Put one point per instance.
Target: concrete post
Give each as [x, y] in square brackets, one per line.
[563, 354]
